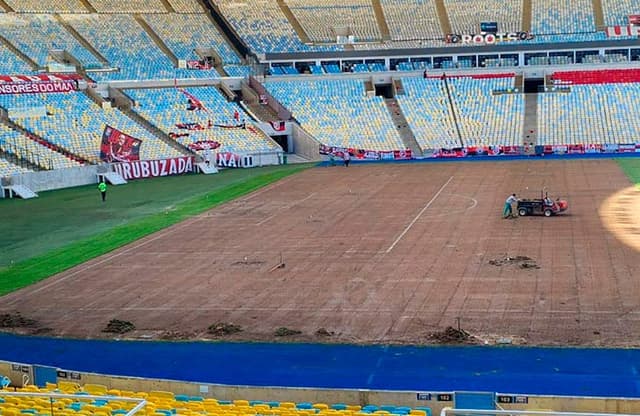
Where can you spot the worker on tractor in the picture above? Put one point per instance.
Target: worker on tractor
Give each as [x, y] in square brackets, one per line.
[508, 209]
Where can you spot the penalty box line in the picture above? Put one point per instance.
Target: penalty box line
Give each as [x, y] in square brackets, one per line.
[408, 227]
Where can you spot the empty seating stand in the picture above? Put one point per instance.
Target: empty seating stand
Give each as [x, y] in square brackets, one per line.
[165, 403]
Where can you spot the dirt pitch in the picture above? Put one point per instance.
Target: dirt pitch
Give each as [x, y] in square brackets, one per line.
[370, 254]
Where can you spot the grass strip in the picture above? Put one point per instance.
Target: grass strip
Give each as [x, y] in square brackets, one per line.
[38, 268]
[631, 167]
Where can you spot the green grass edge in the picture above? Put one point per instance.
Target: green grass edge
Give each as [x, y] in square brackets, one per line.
[38, 268]
[631, 168]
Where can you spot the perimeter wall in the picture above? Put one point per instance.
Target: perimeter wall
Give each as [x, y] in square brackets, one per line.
[18, 373]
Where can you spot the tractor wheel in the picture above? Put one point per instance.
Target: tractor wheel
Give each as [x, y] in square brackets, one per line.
[522, 212]
[548, 212]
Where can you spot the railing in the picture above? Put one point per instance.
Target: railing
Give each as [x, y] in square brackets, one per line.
[447, 411]
[141, 403]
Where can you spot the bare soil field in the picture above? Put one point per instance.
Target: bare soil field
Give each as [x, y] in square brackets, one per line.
[368, 254]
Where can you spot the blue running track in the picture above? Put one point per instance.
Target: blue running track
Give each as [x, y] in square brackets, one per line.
[520, 370]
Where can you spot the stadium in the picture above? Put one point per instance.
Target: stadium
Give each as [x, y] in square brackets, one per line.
[297, 207]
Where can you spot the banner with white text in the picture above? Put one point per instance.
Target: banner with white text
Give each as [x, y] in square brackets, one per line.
[38, 84]
[141, 169]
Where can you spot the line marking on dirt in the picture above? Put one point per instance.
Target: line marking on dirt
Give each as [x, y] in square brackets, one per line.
[408, 227]
[291, 205]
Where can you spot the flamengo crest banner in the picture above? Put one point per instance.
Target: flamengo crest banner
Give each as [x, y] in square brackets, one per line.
[118, 146]
[38, 84]
[141, 169]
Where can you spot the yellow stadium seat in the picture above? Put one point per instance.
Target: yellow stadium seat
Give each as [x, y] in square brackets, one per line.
[95, 389]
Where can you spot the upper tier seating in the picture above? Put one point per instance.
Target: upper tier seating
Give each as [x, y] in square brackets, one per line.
[76, 123]
[14, 142]
[10, 64]
[338, 113]
[263, 26]
[481, 115]
[616, 12]
[119, 38]
[128, 6]
[465, 15]
[47, 6]
[422, 15]
[568, 20]
[44, 34]
[167, 107]
[186, 6]
[182, 33]
[319, 18]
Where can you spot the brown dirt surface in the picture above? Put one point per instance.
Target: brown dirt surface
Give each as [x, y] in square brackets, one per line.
[384, 253]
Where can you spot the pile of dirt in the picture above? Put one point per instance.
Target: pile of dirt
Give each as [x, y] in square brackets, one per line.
[452, 336]
[322, 332]
[224, 328]
[523, 262]
[286, 332]
[116, 326]
[15, 320]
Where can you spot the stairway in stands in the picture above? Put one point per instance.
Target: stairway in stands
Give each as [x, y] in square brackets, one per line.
[530, 124]
[304, 38]
[5, 6]
[598, 14]
[443, 16]
[527, 7]
[382, 22]
[156, 39]
[33, 64]
[86, 44]
[401, 124]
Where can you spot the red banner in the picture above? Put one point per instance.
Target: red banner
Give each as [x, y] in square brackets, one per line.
[38, 84]
[195, 64]
[17, 79]
[277, 125]
[141, 169]
[204, 145]
[118, 146]
[367, 154]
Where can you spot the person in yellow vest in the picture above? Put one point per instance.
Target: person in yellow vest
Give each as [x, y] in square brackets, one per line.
[102, 186]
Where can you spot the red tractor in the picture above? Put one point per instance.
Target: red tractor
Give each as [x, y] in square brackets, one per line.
[541, 206]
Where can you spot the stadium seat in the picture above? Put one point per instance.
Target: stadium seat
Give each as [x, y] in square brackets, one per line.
[338, 113]
[166, 108]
